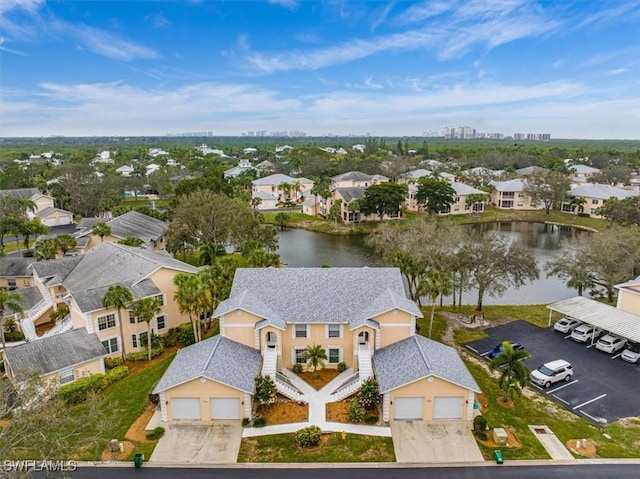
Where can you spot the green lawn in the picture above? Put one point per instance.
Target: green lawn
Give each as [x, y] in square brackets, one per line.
[283, 448]
[294, 217]
[537, 314]
[535, 409]
[124, 402]
[439, 325]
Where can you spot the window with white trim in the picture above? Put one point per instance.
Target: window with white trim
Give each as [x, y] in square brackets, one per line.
[111, 345]
[66, 376]
[160, 298]
[300, 331]
[334, 330]
[334, 355]
[134, 340]
[298, 355]
[161, 322]
[106, 322]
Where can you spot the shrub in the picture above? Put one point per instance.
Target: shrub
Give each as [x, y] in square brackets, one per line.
[369, 395]
[309, 436]
[156, 434]
[111, 363]
[171, 338]
[479, 423]
[116, 374]
[79, 391]
[297, 368]
[13, 336]
[185, 334]
[154, 399]
[482, 435]
[342, 367]
[356, 410]
[143, 356]
[371, 420]
[245, 421]
[259, 422]
[265, 390]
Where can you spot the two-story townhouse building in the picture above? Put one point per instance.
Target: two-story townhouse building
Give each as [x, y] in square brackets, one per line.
[461, 204]
[511, 194]
[360, 316]
[593, 196]
[272, 189]
[43, 206]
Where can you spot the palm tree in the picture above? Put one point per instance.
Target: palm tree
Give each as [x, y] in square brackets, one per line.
[117, 296]
[33, 227]
[434, 284]
[133, 241]
[146, 309]
[286, 190]
[514, 375]
[189, 296]
[577, 203]
[12, 301]
[296, 188]
[314, 356]
[65, 242]
[46, 249]
[321, 189]
[101, 229]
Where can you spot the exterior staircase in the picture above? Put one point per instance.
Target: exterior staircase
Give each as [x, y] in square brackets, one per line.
[269, 362]
[282, 382]
[364, 362]
[347, 388]
[61, 327]
[365, 371]
[27, 323]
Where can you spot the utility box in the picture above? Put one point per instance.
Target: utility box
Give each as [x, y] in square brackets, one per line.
[500, 436]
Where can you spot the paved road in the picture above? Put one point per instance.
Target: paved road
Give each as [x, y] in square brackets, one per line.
[588, 471]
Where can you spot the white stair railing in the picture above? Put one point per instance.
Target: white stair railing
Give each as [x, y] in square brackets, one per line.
[364, 362]
[269, 362]
[66, 324]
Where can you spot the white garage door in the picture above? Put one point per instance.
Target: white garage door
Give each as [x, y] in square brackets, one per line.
[448, 408]
[50, 221]
[65, 220]
[185, 408]
[408, 409]
[225, 408]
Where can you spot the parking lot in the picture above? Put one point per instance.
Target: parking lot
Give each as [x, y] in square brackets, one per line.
[602, 390]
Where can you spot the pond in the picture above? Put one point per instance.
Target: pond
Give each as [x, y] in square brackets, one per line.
[301, 248]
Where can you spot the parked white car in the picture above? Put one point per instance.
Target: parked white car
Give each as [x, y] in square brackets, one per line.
[611, 344]
[552, 372]
[632, 353]
[585, 333]
[566, 325]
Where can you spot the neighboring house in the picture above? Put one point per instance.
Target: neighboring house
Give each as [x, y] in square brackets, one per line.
[582, 170]
[243, 166]
[593, 197]
[312, 206]
[58, 360]
[150, 230]
[360, 316]
[44, 206]
[82, 281]
[270, 188]
[349, 187]
[283, 148]
[414, 175]
[14, 273]
[265, 166]
[532, 170]
[511, 194]
[125, 170]
[460, 206]
[250, 151]
[629, 297]
[356, 179]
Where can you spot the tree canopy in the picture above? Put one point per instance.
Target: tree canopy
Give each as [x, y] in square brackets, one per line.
[383, 199]
[435, 195]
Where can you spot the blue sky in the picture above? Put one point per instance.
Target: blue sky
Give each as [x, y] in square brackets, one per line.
[569, 68]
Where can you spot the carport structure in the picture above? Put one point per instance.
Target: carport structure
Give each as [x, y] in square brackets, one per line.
[603, 316]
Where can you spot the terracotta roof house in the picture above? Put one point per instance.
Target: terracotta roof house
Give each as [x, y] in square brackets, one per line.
[360, 316]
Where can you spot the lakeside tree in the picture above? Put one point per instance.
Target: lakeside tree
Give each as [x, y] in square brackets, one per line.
[433, 284]
[571, 266]
[434, 195]
[8, 301]
[548, 190]
[281, 219]
[623, 212]
[383, 198]
[335, 211]
[118, 296]
[514, 375]
[495, 265]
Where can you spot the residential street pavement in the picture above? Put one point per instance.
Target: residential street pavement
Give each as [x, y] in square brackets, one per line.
[329, 471]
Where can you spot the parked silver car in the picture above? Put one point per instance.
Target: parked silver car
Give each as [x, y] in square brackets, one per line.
[632, 353]
[611, 344]
[585, 333]
[566, 325]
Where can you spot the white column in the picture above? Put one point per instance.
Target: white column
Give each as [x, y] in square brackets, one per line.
[471, 399]
[247, 405]
[221, 323]
[163, 407]
[386, 406]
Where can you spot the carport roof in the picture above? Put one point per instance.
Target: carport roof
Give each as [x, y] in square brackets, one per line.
[603, 316]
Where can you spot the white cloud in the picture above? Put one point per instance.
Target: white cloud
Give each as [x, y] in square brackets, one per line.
[158, 20]
[109, 45]
[617, 71]
[289, 4]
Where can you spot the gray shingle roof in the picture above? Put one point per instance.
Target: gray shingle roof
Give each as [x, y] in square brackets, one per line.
[352, 176]
[20, 193]
[88, 223]
[350, 193]
[56, 268]
[318, 295]
[417, 357]
[219, 359]
[515, 185]
[15, 266]
[91, 299]
[49, 210]
[30, 297]
[134, 223]
[603, 192]
[53, 353]
[278, 178]
[584, 169]
[530, 170]
[464, 190]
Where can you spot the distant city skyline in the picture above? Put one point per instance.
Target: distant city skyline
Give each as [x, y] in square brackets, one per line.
[149, 68]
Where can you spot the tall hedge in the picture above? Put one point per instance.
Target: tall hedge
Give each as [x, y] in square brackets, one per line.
[78, 391]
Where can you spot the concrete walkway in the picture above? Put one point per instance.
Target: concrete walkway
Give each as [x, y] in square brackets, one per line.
[551, 443]
[317, 401]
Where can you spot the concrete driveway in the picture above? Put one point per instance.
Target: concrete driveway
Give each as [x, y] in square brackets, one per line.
[434, 442]
[199, 443]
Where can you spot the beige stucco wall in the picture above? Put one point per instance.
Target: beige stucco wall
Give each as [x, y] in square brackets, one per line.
[521, 201]
[629, 301]
[203, 391]
[79, 371]
[430, 390]
[317, 336]
[393, 327]
[21, 281]
[57, 214]
[239, 326]
[43, 202]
